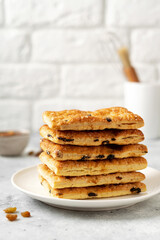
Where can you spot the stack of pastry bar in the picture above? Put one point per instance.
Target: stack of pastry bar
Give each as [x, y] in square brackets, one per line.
[92, 154]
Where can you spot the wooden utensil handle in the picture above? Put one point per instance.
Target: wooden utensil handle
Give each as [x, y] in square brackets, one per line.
[131, 74]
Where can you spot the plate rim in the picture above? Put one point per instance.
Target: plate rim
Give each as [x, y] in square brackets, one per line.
[103, 200]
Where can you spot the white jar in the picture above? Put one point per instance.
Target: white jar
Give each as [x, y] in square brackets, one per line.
[144, 100]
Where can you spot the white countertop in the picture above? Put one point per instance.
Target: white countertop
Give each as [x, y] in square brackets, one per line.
[141, 221]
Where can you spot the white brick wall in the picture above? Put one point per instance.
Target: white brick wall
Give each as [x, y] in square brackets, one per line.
[133, 13]
[64, 13]
[145, 45]
[15, 114]
[91, 81]
[29, 81]
[55, 54]
[1, 12]
[14, 45]
[78, 46]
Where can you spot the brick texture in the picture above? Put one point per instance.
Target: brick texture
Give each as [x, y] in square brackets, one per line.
[133, 14]
[15, 114]
[14, 46]
[1, 12]
[145, 45]
[62, 54]
[158, 74]
[73, 46]
[54, 12]
[92, 81]
[29, 81]
[146, 72]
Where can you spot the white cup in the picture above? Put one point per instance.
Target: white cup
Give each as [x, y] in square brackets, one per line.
[144, 100]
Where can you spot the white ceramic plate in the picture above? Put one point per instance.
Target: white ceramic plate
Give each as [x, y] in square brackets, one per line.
[26, 180]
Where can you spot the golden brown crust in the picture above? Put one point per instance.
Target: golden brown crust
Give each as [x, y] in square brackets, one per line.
[96, 167]
[115, 117]
[85, 181]
[104, 191]
[92, 138]
[70, 152]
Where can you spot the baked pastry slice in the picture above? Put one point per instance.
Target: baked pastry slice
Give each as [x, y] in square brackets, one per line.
[85, 181]
[70, 152]
[92, 138]
[103, 191]
[115, 117]
[95, 167]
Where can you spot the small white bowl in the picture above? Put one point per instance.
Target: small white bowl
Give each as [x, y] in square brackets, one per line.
[12, 143]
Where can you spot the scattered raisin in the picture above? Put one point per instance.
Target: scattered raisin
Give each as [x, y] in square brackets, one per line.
[96, 140]
[65, 139]
[91, 194]
[89, 115]
[113, 139]
[10, 210]
[25, 214]
[38, 153]
[108, 119]
[49, 191]
[31, 153]
[136, 190]
[118, 178]
[105, 142]
[49, 135]
[11, 217]
[48, 152]
[110, 157]
[100, 156]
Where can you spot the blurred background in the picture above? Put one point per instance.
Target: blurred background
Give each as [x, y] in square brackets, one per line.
[55, 54]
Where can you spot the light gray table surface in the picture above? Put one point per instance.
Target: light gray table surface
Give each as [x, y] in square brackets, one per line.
[141, 221]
